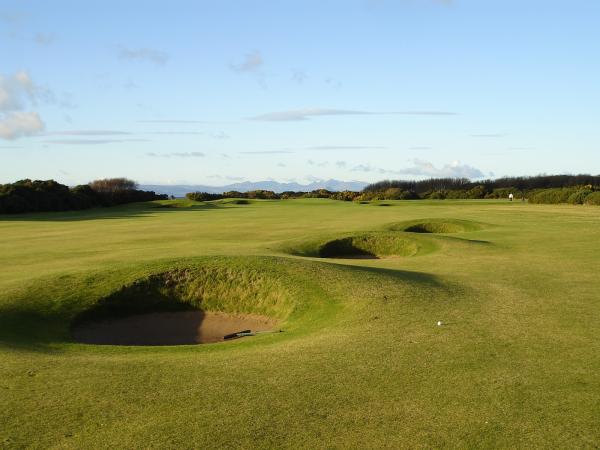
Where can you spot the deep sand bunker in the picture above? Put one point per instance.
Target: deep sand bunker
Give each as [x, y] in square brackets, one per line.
[170, 328]
[186, 305]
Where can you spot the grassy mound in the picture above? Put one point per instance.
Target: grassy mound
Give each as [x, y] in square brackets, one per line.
[264, 286]
[234, 201]
[364, 245]
[436, 226]
[220, 289]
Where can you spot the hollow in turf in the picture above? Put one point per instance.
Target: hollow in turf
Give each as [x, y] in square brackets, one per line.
[170, 328]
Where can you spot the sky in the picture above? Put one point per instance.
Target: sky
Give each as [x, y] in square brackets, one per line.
[217, 92]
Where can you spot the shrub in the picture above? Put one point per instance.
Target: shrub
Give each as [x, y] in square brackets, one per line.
[456, 194]
[202, 196]
[593, 198]
[477, 192]
[234, 194]
[346, 196]
[262, 194]
[437, 195]
[578, 197]
[392, 194]
[551, 196]
[502, 192]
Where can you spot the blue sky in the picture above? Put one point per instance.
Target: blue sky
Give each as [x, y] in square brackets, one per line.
[214, 92]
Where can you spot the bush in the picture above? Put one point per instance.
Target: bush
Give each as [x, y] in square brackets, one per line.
[575, 195]
[477, 192]
[346, 196]
[456, 194]
[202, 196]
[437, 195]
[578, 197]
[502, 193]
[392, 194]
[262, 194]
[593, 198]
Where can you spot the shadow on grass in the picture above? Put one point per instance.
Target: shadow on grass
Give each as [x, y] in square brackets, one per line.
[25, 330]
[113, 212]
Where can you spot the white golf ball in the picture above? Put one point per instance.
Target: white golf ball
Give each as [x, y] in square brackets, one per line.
[439, 323]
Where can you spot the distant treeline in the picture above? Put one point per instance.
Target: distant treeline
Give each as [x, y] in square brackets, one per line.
[576, 189]
[37, 196]
[538, 189]
[270, 195]
[464, 184]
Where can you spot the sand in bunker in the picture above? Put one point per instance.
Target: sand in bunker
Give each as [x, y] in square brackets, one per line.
[170, 328]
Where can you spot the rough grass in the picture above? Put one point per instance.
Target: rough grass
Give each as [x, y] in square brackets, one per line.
[362, 363]
[206, 288]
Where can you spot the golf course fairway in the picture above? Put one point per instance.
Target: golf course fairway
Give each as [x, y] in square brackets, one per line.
[357, 290]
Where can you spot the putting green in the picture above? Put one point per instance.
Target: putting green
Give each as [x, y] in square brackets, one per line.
[362, 361]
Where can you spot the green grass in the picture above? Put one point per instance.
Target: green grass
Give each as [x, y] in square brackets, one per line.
[362, 362]
[438, 226]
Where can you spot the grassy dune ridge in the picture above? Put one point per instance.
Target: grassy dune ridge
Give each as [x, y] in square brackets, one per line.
[362, 362]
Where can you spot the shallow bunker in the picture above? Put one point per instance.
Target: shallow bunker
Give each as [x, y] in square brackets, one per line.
[373, 246]
[441, 226]
[186, 306]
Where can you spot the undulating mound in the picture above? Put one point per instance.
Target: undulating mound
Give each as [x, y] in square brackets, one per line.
[234, 201]
[256, 293]
[364, 245]
[436, 226]
[185, 306]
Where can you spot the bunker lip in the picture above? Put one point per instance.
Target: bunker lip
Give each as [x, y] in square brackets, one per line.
[169, 328]
[436, 226]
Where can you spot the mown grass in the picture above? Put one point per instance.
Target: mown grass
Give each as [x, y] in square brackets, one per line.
[362, 362]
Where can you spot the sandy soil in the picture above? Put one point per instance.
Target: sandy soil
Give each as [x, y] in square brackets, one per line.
[170, 328]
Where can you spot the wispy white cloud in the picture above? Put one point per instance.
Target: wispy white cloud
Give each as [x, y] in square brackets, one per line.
[489, 135]
[305, 114]
[345, 147]
[218, 135]
[12, 17]
[310, 162]
[252, 62]
[332, 82]
[44, 38]
[87, 133]
[177, 132]
[170, 121]
[370, 168]
[91, 141]
[144, 54]
[455, 170]
[299, 76]
[17, 124]
[268, 152]
[374, 4]
[421, 168]
[176, 155]
[16, 92]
